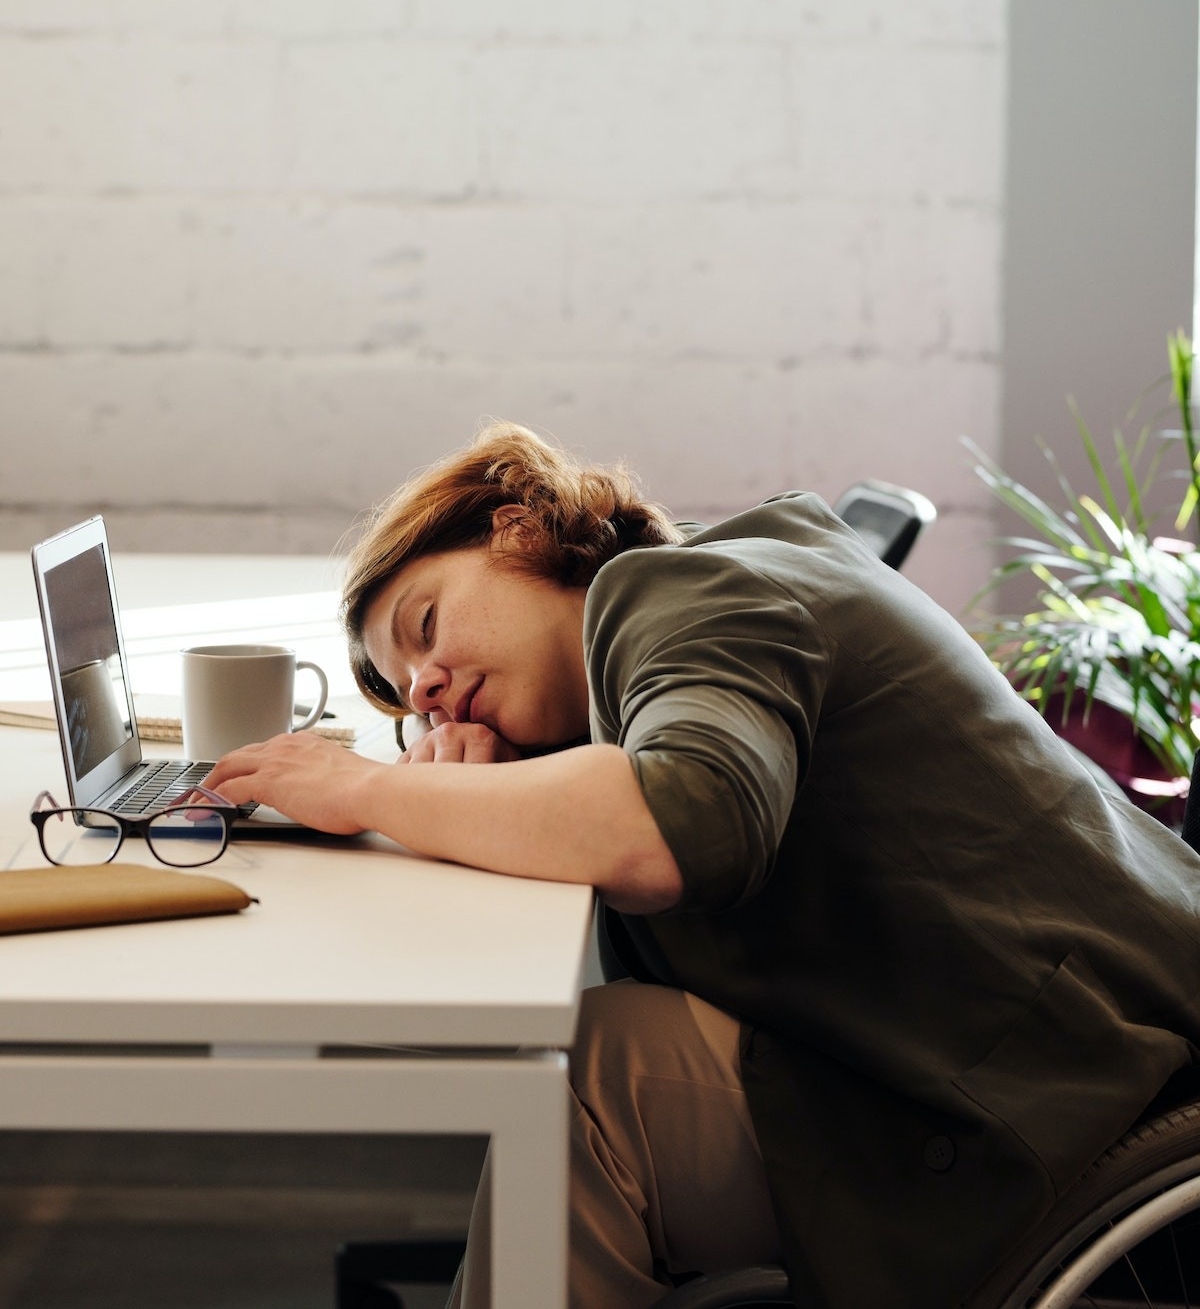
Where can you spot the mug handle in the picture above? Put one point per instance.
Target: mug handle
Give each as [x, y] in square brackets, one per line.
[319, 708]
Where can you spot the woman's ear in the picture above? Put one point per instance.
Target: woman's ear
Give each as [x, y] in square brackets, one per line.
[508, 522]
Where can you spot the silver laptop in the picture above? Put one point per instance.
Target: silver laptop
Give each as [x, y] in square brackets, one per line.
[93, 697]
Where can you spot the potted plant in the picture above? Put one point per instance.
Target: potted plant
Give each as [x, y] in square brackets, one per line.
[1110, 651]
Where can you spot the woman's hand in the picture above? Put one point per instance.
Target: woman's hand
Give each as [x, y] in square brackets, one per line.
[459, 743]
[313, 781]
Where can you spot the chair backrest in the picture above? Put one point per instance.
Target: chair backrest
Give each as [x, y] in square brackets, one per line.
[888, 518]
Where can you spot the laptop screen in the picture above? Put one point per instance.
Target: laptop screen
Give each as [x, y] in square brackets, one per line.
[94, 695]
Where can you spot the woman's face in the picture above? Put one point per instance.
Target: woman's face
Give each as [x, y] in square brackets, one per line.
[464, 638]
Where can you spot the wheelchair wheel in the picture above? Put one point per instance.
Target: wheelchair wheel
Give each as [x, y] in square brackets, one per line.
[1126, 1234]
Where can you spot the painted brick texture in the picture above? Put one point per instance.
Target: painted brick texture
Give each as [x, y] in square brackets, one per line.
[259, 260]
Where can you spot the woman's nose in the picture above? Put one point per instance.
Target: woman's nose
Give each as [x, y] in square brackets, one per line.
[428, 686]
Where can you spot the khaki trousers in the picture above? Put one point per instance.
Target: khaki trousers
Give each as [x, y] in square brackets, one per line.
[666, 1174]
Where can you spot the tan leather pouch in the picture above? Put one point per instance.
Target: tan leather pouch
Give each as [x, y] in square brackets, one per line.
[90, 895]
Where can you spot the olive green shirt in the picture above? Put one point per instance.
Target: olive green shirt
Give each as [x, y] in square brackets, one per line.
[961, 968]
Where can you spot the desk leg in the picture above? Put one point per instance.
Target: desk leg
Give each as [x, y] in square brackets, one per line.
[529, 1194]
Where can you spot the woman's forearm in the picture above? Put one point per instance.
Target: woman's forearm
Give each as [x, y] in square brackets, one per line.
[575, 816]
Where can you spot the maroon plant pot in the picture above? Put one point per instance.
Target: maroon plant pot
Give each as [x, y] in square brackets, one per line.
[1107, 737]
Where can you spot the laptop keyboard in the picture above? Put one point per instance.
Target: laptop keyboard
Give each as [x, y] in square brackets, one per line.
[159, 785]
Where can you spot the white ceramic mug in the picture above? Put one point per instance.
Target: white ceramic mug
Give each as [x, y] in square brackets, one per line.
[234, 695]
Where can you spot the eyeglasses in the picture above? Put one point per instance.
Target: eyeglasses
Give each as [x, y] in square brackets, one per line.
[183, 835]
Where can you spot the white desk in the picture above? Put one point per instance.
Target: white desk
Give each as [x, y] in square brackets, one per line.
[354, 944]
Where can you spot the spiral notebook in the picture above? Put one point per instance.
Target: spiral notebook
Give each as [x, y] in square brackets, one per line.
[157, 719]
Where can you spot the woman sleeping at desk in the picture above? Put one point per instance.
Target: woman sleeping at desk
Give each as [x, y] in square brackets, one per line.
[899, 969]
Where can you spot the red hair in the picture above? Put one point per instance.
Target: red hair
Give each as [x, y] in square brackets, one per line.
[574, 519]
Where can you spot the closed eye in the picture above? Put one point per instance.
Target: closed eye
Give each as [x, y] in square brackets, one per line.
[427, 625]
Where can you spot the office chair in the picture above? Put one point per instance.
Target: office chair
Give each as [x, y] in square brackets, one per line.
[888, 518]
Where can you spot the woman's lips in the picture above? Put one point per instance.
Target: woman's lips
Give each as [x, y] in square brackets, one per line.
[463, 710]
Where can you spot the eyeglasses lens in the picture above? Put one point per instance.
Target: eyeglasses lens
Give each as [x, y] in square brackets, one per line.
[92, 840]
[187, 836]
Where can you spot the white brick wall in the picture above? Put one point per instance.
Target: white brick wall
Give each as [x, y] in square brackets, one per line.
[261, 258]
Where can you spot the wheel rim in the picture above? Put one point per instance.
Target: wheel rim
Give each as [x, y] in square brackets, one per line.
[1117, 1242]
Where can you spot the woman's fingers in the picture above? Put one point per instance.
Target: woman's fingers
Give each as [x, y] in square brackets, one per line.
[460, 743]
[314, 781]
